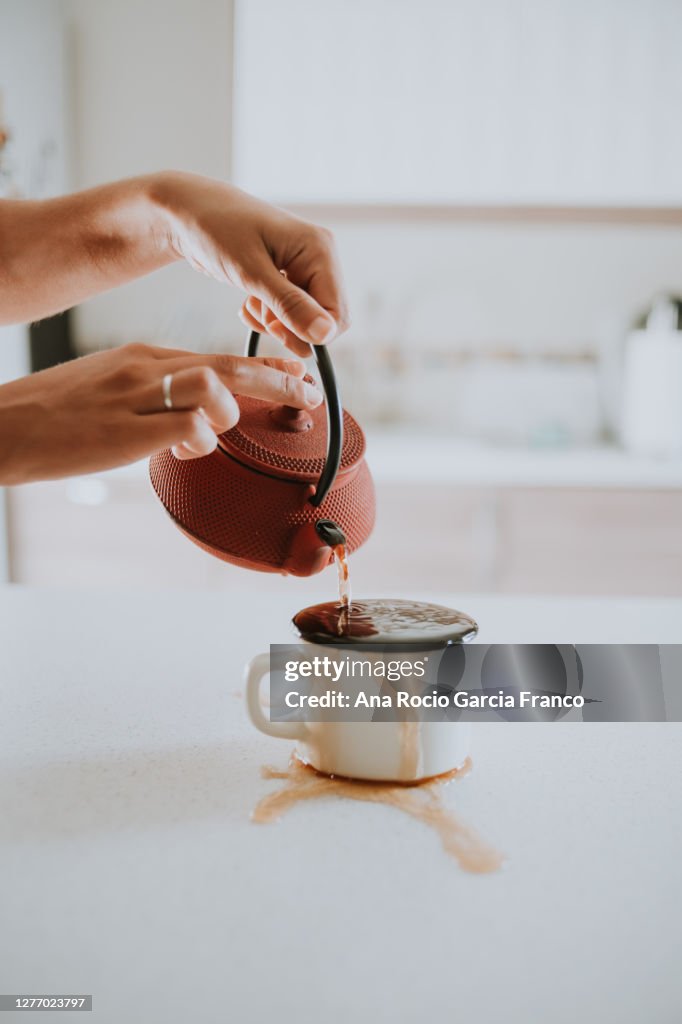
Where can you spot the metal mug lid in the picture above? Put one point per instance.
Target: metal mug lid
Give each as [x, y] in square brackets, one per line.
[384, 621]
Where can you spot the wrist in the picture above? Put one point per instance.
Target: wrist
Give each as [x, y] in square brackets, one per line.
[169, 194]
[154, 195]
[121, 225]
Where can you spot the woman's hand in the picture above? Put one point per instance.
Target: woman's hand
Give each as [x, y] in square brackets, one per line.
[107, 409]
[289, 268]
[57, 252]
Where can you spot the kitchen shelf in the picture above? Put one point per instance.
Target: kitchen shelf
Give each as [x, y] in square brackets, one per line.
[369, 212]
[404, 456]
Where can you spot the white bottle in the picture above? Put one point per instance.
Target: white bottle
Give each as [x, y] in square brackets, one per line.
[652, 384]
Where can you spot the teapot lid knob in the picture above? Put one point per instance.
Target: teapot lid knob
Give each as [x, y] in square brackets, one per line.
[334, 417]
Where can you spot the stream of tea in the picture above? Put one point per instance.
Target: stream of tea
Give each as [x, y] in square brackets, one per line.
[345, 595]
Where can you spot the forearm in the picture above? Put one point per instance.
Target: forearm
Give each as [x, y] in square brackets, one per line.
[55, 253]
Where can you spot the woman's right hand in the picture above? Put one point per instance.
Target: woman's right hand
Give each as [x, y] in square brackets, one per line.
[107, 409]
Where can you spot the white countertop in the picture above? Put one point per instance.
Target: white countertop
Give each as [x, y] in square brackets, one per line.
[129, 868]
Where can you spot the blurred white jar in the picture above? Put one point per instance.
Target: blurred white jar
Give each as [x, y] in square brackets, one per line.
[651, 421]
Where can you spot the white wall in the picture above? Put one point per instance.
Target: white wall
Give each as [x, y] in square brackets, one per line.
[152, 84]
[472, 101]
[33, 107]
[33, 85]
[494, 285]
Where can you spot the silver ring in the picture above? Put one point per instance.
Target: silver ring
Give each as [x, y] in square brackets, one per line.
[166, 387]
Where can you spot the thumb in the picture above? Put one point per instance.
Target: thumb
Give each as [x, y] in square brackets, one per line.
[296, 309]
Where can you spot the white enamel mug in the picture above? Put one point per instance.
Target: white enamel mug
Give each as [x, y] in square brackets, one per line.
[399, 751]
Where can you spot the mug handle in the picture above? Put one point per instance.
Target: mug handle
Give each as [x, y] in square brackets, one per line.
[256, 670]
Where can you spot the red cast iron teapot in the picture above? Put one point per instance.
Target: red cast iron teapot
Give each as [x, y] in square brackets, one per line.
[283, 487]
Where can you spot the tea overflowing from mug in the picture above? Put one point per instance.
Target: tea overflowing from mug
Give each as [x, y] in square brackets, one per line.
[421, 801]
[386, 620]
[409, 745]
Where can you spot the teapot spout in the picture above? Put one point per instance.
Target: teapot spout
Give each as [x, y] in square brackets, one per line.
[308, 554]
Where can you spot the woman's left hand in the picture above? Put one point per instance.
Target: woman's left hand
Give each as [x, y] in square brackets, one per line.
[288, 267]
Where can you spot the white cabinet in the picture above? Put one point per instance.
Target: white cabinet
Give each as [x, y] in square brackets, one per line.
[589, 541]
[429, 537]
[524, 540]
[474, 101]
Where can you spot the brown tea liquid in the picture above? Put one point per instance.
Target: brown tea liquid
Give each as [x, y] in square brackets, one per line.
[383, 620]
[345, 597]
[422, 801]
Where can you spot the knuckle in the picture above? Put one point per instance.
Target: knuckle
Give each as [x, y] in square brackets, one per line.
[229, 366]
[125, 377]
[290, 303]
[131, 366]
[289, 386]
[322, 242]
[190, 424]
[293, 391]
[327, 237]
[206, 380]
[136, 350]
[344, 320]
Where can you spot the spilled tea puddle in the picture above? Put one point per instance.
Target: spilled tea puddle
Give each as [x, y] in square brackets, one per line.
[422, 801]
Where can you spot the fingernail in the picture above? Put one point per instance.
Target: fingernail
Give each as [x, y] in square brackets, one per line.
[321, 329]
[312, 395]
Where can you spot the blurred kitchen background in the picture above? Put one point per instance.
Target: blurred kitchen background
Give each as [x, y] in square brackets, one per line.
[504, 179]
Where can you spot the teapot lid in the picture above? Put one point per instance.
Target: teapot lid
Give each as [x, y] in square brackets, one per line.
[286, 443]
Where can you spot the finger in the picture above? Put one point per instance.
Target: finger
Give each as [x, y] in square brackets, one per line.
[317, 268]
[256, 308]
[293, 366]
[182, 452]
[286, 365]
[193, 388]
[264, 380]
[186, 431]
[264, 316]
[199, 387]
[327, 287]
[260, 318]
[277, 329]
[293, 307]
[273, 380]
[264, 320]
[250, 321]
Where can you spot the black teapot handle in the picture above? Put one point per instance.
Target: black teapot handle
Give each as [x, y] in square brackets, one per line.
[334, 416]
